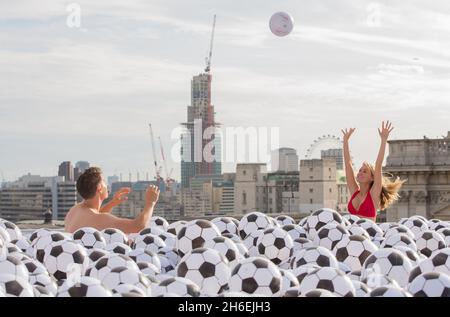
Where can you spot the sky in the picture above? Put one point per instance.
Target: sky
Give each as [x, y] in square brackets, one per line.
[88, 91]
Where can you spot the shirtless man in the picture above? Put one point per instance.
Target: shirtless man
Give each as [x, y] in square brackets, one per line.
[90, 213]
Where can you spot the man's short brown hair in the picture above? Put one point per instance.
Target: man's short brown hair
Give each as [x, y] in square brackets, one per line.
[88, 181]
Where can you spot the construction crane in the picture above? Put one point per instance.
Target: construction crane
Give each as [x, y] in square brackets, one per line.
[208, 59]
[168, 180]
[155, 160]
[163, 157]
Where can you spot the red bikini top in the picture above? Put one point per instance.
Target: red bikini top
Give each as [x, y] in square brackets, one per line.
[366, 209]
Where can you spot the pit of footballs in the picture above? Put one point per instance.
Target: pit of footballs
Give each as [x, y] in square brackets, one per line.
[324, 255]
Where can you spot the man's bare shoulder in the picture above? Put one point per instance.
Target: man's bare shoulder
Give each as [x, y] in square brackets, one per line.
[77, 217]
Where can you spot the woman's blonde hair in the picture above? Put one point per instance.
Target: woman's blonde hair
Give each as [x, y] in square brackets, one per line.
[389, 188]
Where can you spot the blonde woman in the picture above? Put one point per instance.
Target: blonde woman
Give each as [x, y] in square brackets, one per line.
[370, 190]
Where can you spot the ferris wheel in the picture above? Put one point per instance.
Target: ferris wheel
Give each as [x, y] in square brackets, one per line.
[323, 142]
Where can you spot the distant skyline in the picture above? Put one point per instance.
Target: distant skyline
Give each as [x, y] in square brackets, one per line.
[88, 93]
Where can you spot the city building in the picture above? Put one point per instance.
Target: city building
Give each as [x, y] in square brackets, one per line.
[343, 192]
[281, 192]
[335, 154]
[31, 196]
[317, 185]
[249, 188]
[208, 195]
[112, 179]
[284, 160]
[425, 164]
[66, 170]
[200, 134]
[82, 166]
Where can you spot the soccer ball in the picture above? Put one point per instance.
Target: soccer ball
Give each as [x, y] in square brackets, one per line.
[176, 285]
[285, 220]
[431, 284]
[142, 255]
[12, 229]
[34, 267]
[95, 254]
[358, 231]
[23, 244]
[355, 275]
[437, 225]
[85, 287]
[125, 275]
[361, 289]
[150, 271]
[371, 227]
[108, 262]
[374, 280]
[172, 257]
[388, 291]
[318, 292]
[329, 235]
[64, 259]
[14, 286]
[225, 225]
[251, 240]
[314, 256]
[429, 241]
[276, 245]
[40, 243]
[89, 238]
[302, 243]
[399, 229]
[295, 231]
[256, 275]
[400, 239]
[412, 255]
[169, 239]
[330, 279]
[12, 266]
[40, 291]
[438, 262]
[242, 249]
[354, 250]
[320, 218]
[112, 235]
[124, 289]
[445, 233]
[160, 222]
[118, 247]
[226, 247]
[288, 280]
[148, 242]
[37, 234]
[252, 222]
[281, 23]
[153, 230]
[386, 225]
[292, 292]
[301, 271]
[351, 218]
[207, 268]
[194, 235]
[44, 280]
[416, 225]
[389, 262]
[176, 226]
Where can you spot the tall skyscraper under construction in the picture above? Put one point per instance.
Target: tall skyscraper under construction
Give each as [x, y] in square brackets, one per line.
[200, 143]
